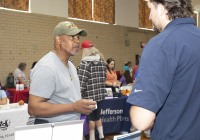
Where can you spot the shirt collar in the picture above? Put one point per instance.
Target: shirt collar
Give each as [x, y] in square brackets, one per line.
[180, 21]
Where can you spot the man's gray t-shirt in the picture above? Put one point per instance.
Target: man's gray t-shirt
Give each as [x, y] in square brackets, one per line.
[52, 80]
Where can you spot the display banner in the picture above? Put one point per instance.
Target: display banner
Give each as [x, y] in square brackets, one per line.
[115, 115]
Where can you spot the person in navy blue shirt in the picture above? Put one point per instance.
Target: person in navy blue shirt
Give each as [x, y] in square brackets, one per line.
[166, 95]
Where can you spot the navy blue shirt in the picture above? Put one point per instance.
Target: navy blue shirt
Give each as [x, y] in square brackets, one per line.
[168, 81]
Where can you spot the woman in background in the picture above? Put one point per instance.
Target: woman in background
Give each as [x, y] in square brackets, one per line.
[10, 81]
[111, 76]
[130, 66]
[33, 65]
[126, 79]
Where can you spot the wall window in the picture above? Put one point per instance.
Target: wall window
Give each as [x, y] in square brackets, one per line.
[15, 4]
[95, 10]
[81, 9]
[144, 12]
[104, 11]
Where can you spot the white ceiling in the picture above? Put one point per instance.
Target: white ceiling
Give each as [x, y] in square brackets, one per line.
[196, 5]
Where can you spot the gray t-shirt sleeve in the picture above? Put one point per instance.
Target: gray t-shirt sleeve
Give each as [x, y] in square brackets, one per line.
[42, 82]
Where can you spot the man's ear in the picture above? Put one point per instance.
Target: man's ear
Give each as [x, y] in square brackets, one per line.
[58, 40]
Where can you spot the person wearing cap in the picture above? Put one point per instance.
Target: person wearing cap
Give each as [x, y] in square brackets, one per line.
[55, 89]
[92, 76]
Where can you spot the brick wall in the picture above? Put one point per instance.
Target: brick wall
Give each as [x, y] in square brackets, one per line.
[26, 37]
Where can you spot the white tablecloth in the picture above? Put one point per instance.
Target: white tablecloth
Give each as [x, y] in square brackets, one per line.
[9, 118]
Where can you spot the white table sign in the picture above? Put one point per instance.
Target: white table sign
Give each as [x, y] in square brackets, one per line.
[11, 116]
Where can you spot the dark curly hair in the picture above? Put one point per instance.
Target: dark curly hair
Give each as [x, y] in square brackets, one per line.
[176, 8]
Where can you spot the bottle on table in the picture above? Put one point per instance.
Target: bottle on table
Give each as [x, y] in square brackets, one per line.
[21, 86]
[17, 86]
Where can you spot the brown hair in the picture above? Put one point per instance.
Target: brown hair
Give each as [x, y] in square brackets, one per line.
[176, 8]
[109, 60]
[128, 77]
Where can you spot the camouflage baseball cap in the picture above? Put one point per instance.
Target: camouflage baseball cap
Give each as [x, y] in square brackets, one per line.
[68, 28]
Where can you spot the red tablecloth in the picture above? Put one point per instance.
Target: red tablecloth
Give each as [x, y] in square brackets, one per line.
[16, 96]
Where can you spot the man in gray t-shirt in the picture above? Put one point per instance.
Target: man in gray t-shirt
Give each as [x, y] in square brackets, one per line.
[55, 90]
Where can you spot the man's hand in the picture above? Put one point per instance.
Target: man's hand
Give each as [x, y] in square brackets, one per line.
[84, 106]
[39, 107]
